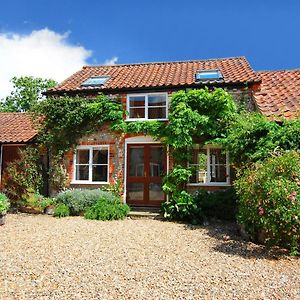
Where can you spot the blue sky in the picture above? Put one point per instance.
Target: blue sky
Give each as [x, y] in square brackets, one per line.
[266, 32]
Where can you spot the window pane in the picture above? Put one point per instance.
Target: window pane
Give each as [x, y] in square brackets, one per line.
[82, 172]
[135, 191]
[217, 165]
[198, 175]
[199, 157]
[199, 165]
[100, 156]
[82, 156]
[100, 173]
[157, 160]
[217, 157]
[136, 113]
[218, 173]
[156, 112]
[157, 100]
[137, 101]
[136, 161]
[155, 192]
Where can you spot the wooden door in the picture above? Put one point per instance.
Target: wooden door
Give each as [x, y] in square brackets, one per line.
[146, 166]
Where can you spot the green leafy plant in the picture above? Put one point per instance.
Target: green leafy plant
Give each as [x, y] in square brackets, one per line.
[33, 201]
[23, 176]
[201, 113]
[176, 179]
[61, 210]
[105, 209]
[46, 202]
[4, 204]
[182, 207]
[78, 200]
[251, 137]
[218, 204]
[115, 188]
[62, 115]
[269, 194]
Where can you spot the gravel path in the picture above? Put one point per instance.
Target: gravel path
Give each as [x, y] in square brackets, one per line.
[46, 258]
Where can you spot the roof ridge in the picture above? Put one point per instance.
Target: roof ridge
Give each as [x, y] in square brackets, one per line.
[166, 62]
[273, 71]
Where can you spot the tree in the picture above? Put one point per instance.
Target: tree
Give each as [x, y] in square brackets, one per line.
[27, 92]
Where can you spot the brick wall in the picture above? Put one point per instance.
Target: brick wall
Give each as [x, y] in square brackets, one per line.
[116, 142]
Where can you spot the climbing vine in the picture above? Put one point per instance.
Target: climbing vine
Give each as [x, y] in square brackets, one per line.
[196, 113]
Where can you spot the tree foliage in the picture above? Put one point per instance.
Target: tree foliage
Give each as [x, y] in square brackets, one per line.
[251, 137]
[27, 92]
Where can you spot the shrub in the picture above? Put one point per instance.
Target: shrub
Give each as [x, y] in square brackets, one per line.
[78, 200]
[182, 207]
[46, 202]
[269, 202]
[219, 204]
[33, 201]
[105, 209]
[23, 175]
[61, 210]
[4, 204]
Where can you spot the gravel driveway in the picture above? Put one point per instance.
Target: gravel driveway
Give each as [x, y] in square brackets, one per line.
[46, 258]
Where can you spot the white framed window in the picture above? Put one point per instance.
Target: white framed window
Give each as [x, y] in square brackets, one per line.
[210, 166]
[91, 164]
[152, 106]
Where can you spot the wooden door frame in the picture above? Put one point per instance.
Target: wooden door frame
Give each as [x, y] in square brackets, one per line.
[139, 140]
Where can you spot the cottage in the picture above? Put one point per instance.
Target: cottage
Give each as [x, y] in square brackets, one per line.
[145, 91]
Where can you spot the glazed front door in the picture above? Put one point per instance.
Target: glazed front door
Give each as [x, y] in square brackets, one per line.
[146, 166]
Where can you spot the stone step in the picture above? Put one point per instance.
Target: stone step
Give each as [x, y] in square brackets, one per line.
[145, 209]
[138, 214]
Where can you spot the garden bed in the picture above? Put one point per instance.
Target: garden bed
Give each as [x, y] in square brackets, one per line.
[43, 257]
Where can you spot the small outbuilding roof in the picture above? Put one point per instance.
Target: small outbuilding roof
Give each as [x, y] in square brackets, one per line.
[16, 128]
[279, 93]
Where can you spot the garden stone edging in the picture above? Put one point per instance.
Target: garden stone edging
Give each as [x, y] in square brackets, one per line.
[2, 219]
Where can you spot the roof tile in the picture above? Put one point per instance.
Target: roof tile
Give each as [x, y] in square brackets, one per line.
[279, 93]
[164, 74]
[16, 128]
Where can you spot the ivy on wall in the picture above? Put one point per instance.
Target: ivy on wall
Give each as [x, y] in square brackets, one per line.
[196, 113]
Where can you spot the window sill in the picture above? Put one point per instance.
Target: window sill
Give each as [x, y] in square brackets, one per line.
[210, 184]
[89, 182]
[140, 120]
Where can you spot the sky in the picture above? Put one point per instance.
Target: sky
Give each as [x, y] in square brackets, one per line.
[53, 39]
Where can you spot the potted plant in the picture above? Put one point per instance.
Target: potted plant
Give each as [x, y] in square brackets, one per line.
[4, 205]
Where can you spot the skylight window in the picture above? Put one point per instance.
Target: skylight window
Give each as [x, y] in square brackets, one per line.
[95, 81]
[208, 75]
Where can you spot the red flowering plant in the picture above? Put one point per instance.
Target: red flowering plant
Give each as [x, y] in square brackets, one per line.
[269, 200]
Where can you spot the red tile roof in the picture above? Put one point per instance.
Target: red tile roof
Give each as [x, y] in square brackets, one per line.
[279, 94]
[163, 74]
[16, 128]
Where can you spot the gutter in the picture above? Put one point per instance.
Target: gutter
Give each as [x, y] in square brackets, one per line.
[112, 91]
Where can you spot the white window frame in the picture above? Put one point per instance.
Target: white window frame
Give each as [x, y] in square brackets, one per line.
[90, 164]
[146, 95]
[208, 169]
